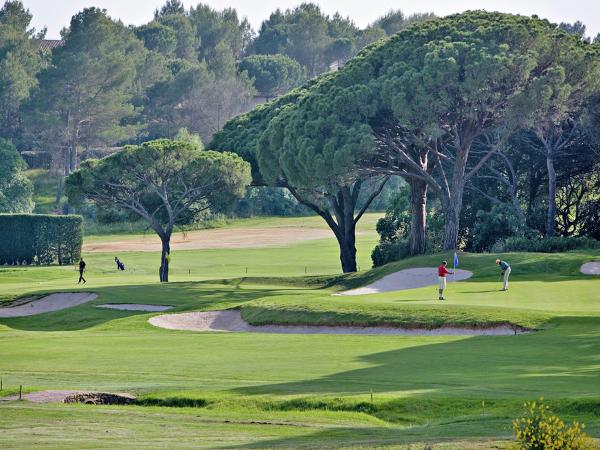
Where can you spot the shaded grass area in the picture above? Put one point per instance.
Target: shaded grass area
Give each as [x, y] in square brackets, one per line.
[464, 426]
[45, 185]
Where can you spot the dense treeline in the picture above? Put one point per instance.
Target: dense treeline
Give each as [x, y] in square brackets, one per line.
[106, 84]
[491, 119]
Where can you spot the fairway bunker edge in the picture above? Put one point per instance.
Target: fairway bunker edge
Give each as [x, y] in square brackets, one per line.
[49, 303]
[231, 321]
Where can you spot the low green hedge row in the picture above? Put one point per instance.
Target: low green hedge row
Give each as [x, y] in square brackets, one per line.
[554, 244]
[40, 239]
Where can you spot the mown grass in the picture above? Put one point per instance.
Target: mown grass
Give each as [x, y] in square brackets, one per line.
[300, 391]
[45, 184]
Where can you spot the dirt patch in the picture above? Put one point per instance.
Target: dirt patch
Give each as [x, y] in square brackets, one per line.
[52, 302]
[215, 238]
[42, 396]
[231, 321]
[407, 279]
[100, 398]
[135, 307]
[591, 268]
[65, 396]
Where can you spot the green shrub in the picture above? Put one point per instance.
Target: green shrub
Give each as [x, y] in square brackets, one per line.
[174, 402]
[40, 239]
[386, 252]
[499, 223]
[545, 245]
[540, 430]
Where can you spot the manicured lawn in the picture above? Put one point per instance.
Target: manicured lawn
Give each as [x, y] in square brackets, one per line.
[269, 390]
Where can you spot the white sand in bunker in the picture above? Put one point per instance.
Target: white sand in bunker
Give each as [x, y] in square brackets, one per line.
[215, 238]
[231, 321]
[591, 268]
[407, 279]
[52, 302]
[134, 307]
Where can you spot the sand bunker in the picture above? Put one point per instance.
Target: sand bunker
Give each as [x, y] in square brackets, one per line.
[231, 321]
[215, 238]
[407, 279]
[135, 307]
[52, 302]
[591, 268]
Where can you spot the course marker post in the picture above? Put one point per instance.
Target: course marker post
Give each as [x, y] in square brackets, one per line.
[20, 392]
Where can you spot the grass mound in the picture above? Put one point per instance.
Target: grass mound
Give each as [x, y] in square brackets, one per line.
[324, 311]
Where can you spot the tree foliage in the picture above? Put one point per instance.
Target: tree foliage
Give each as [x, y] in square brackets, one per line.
[85, 95]
[20, 61]
[273, 75]
[15, 188]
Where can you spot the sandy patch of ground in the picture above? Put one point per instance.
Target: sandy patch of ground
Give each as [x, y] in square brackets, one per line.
[231, 321]
[407, 279]
[59, 396]
[591, 268]
[215, 238]
[134, 307]
[42, 396]
[52, 302]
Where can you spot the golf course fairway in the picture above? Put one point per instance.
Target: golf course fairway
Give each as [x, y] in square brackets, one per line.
[269, 390]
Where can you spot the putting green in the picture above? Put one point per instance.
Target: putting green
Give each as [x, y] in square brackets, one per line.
[270, 390]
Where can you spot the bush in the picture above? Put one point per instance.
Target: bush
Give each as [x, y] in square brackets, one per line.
[499, 223]
[545, 245]
[40, 239]
[388, 251]
[539, 430]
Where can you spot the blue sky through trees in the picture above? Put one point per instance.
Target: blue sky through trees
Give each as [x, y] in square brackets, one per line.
[56, 14]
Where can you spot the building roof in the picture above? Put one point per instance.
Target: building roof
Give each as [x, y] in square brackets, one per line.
[49, 44]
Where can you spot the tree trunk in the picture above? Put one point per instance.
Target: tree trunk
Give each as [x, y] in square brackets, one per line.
[164, 259]
[451, 226]
[551, 216]
[347, 243]
[418, 221]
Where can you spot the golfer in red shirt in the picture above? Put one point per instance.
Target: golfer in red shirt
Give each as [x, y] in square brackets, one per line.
[442, 272]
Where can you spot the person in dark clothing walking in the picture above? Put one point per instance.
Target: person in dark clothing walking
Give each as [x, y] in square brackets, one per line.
[81, 270]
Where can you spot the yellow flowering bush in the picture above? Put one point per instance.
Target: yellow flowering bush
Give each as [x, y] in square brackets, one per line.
[540, 430]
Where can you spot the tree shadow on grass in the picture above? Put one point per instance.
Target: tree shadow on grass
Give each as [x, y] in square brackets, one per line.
[560, 360]
[187, 296]
[379, 437]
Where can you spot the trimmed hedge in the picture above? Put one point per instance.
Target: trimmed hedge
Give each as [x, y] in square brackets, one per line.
[40, 239]
[555, 244]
